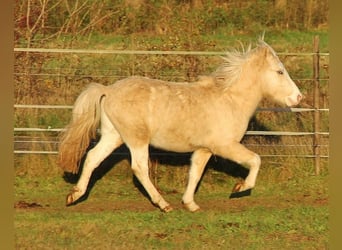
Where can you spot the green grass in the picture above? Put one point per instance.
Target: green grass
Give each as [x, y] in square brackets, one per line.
[285, 211]
[281, 40]
[298, 227]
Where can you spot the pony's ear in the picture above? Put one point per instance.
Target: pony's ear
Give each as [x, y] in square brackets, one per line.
[262, 37]
[262, 55]
[264, 51]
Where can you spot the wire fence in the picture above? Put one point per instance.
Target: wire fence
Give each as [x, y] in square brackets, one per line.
[32, 139]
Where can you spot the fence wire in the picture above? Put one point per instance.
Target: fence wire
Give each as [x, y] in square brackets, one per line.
[26, 140]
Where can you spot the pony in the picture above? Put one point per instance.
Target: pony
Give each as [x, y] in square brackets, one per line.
[205, 117]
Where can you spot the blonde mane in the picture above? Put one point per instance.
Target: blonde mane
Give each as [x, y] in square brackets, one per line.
[230, 70]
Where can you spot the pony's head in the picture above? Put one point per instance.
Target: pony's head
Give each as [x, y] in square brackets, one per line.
[262, 66]
[274, 80]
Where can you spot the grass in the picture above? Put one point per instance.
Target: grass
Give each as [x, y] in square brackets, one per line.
[285, 211]
[281, 40]
[299, 227]
[258, 228]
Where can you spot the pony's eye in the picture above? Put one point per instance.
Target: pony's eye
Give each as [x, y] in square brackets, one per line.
[280, 72]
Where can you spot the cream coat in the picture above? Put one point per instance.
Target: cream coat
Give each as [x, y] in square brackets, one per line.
[206, 117]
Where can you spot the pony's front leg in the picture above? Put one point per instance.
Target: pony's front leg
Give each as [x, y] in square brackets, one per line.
[198, 161]
[105, 146]
[244, 188]
[241, 155]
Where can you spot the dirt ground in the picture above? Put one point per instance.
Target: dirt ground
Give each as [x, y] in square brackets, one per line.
[222, 204]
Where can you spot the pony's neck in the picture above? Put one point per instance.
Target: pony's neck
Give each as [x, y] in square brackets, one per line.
[246, 95]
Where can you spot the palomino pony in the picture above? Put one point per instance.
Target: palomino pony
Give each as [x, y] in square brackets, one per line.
[207, 117]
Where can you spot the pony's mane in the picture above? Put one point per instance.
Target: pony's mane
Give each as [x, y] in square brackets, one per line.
[229, 71]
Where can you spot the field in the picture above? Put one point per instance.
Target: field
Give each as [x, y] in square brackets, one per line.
[285, 211]
[288, 209]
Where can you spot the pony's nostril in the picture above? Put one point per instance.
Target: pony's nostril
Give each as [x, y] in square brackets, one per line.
[299, 97]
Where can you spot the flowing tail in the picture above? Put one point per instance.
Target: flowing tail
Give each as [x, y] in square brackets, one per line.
[86, 116]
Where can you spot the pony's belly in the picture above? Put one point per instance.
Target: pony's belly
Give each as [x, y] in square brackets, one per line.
[173, 144]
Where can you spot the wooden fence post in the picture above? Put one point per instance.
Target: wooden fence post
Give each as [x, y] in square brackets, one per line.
[316, 139]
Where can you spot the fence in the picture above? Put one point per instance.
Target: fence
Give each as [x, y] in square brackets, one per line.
[23, 143]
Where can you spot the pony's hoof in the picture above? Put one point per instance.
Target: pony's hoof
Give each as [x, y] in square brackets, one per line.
[240, 194]
[167, 209]
[237, 187]
[69, 200]
[73, 196]
[192, 207]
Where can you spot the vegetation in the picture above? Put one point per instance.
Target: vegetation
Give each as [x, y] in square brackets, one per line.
[39, 21]
[289, 206]
[286, 210]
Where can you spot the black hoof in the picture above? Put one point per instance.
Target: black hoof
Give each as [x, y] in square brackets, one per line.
[247, 192]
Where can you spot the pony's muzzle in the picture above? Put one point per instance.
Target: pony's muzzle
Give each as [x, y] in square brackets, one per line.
[299, 98]
[294, 99]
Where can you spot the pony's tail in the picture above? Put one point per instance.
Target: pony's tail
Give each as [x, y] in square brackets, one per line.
[86, 116]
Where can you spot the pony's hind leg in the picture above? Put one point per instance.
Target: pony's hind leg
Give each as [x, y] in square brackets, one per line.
[198, 161]
[140, 169]
[107, 144]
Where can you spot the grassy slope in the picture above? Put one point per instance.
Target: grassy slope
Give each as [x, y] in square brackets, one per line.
[281, 40]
